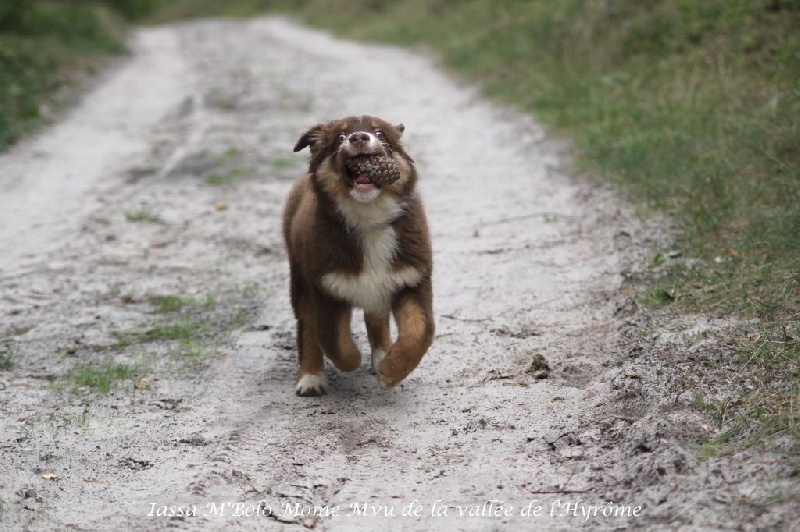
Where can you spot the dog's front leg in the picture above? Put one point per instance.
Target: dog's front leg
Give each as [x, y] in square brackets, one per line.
[413, 312]
[333, 328]
[311, 381]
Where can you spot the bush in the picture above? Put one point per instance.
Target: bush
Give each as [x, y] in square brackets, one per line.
[133, 9]
[45, 43]
[12, 12]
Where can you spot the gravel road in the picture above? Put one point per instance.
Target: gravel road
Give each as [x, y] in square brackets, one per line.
[148, 338]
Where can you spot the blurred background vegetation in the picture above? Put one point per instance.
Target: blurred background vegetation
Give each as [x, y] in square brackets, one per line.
[47, 46]
[692, 107]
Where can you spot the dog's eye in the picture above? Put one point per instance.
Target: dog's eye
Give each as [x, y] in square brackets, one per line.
[342, 137]
[379, 134]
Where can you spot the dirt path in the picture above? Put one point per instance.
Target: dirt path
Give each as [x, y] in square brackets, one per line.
[140, 250]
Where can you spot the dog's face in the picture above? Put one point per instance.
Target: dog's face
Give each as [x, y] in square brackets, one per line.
[336, 144]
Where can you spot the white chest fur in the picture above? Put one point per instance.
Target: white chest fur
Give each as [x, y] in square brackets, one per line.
[373, 287]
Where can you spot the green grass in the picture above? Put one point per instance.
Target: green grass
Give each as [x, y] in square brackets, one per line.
[185, 9]
[45, 47]
[773, 405]
[175, 331]
[8, 352]
[192, 327]
[193, 349]
[190, 337]
[174, 303]
[189, 328]
[283, 163]
[226, 177]
[230, 154]
[225, 170]
[101, 377]
[143, 216]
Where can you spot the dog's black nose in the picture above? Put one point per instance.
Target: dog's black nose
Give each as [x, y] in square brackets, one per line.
[360, 136]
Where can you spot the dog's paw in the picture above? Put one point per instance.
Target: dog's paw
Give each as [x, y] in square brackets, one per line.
[378, 355]
[312, 385]
[386, 382]
[396, 366]
[387, 375]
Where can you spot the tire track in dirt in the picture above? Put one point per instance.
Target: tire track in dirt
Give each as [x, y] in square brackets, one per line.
[525, 264]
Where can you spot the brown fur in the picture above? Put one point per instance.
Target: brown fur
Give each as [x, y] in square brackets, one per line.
[347, 251]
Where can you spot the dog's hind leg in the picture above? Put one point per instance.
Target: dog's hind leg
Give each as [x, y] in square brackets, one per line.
[380, 336]
[412, 309]
[335, 338]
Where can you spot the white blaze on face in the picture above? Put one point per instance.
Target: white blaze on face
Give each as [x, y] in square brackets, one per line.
[371, 145]
[362, 192]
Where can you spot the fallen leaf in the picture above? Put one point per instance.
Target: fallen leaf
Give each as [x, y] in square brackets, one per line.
[221, 207]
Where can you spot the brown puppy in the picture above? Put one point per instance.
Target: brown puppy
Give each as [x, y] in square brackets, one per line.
[357, 236]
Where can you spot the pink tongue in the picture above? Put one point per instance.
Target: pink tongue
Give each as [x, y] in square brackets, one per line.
[362, 180]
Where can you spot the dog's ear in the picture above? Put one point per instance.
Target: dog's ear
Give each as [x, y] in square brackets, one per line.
[309, 138]
[400, 128]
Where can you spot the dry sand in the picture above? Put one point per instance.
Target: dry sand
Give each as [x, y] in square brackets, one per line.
[167, 182]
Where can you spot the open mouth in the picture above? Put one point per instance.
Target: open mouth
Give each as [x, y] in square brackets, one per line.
[357, 169]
